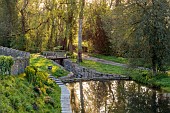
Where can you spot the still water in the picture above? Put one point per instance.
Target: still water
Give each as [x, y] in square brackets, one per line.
[117, 97]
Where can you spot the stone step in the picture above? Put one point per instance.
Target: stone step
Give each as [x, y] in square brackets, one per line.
[65, 96]
[56, 79]
[65, 105]
[50, 76]
[66, 111]
[60, 83]
[65, 92]
[63, 87]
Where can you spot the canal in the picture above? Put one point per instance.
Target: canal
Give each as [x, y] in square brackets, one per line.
[117, 97]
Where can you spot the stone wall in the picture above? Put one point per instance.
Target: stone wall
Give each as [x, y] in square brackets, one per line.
[21, 59]
[79, 71]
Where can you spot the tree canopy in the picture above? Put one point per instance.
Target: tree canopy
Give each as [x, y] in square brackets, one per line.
[137, 29]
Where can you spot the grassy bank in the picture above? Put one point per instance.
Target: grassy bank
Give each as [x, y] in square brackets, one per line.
[43, 63]
[162, 80]
[32, 91]
[20, 96]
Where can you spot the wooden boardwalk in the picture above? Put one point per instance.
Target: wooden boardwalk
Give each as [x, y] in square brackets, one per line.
[65, 96]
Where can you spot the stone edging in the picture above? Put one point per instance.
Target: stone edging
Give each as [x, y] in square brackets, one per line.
[82, 73]
[65, 96]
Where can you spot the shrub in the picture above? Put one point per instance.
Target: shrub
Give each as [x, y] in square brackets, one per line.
[30, 74]
[6, 63]
[36, 77]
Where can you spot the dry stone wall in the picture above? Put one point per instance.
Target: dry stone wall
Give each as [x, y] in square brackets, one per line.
[79, 71]
[21, 59]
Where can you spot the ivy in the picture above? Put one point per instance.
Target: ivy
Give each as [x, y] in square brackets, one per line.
[5, 64]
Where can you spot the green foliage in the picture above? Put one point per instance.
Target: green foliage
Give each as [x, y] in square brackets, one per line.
[94, 31]
[19, 43]
[149, 38]
[161, 80]
[30, 74]
[5, 64]
[19, 96]
[72, 55]
[9, 21]
[43, 63]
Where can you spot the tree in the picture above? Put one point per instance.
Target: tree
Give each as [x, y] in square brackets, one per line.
[95, 30]
[79, 59]
[150, 38]
[8, 21]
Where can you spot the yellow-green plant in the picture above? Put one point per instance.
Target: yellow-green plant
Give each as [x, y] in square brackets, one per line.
[5, 64]
[30, 72]
[34, 76]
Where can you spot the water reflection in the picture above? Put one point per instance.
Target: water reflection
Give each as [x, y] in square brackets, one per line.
[118, 97]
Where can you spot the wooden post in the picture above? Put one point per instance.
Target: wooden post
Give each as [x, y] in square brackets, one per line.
[81, 97]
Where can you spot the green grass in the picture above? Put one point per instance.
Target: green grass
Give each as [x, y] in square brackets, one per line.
[104, 68]
[161, 80]
[43, 63]
[18, 96]
[111, 58]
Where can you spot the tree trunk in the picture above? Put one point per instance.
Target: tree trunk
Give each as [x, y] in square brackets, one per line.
[23, 21]
[80, 41]
[117, 2]
[79, 59]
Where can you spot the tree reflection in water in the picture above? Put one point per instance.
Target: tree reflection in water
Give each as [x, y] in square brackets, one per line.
[118, 97]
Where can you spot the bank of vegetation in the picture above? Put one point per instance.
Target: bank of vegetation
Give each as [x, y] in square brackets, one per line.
[141, 75]
[31, 91]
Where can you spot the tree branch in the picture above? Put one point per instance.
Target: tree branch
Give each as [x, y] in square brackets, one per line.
[37, 26]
